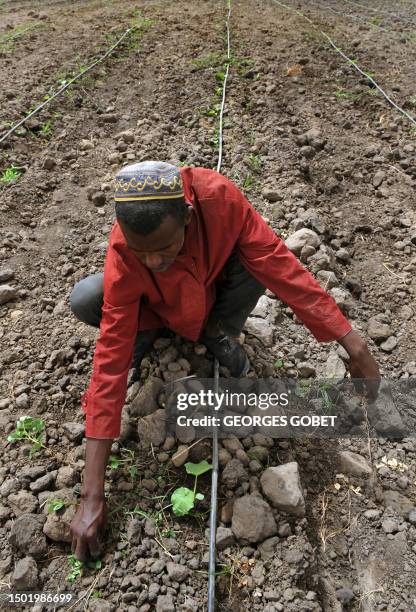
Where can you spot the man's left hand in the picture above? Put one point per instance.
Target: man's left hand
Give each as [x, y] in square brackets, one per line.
[362, 364]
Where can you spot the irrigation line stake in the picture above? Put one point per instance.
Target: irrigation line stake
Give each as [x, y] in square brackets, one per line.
[350, 61]
[213, 510]
[64, 87]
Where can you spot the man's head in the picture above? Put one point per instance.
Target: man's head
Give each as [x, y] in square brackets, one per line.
[152, 212]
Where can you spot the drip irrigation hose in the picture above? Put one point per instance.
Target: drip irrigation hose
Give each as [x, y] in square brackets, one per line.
[64, 87]
[213, 510]
[214, 475]
[350, 61]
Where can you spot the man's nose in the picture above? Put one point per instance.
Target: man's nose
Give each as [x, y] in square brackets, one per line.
[153, 260]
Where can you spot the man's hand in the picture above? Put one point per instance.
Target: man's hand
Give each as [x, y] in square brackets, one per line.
[87, 527]
[90, 519]
[362, 364]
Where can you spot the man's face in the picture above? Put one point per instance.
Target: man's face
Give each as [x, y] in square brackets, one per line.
[158, 250]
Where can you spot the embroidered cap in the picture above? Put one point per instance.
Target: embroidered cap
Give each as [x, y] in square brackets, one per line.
[149, 180]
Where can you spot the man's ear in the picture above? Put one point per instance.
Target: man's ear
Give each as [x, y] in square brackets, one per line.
[188, 214]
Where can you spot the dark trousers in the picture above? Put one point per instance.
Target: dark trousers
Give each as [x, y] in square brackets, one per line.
[237, 295]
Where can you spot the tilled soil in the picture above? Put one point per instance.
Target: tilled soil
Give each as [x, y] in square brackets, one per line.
[312, 144]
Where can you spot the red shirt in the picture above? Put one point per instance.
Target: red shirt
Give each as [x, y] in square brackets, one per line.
[181, 297]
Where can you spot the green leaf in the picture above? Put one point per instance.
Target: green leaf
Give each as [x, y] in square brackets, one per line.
[199, 496]
[182, 500]
[279, 363]
[56, 505]
[196, 469]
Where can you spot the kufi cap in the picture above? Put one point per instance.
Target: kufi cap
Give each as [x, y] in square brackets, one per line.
[149, 180]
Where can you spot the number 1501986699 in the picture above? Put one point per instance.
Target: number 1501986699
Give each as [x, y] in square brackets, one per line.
[28, 597]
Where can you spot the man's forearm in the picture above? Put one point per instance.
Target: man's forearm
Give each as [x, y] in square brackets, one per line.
[96, 459]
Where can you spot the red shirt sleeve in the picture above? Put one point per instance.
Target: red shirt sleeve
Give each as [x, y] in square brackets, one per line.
[268, 259]
[104, 399]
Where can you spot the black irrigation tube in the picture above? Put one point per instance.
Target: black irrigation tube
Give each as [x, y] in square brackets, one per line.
[214, 475]
[64, 87]
[350, 61]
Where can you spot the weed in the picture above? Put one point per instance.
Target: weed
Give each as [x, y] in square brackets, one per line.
[28, 428]
[127, 460]
[212, 60]
[279, 364]
[7, 40]
[78, 567]
[350, 95]
[55, 505]
[248, 181]
[183, 499]
[12, 173]
[255, 162]
[46, 129]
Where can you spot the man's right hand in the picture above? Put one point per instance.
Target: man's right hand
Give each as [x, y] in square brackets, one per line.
[91, 517]
[87, 527]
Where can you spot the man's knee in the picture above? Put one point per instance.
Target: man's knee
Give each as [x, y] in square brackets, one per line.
[86, 297]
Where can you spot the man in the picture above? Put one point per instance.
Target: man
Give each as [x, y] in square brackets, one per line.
[189, 253]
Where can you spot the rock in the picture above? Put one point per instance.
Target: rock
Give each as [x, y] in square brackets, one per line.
[343, 255]
[397, 502]
[345, 595]
[383, 414]
[301, 238]
[234, 474]
[327, 279]
[7, 294]
[306, 369]
[253, 519]
[22, 401]
[23, 502]
[264, 306]
[165, 604]
[98, 198]
[281, 485]
[405, 312]
[261, 329]
[152, 428]
[66, 477]
[6, 274]
[378, 331]
[352, 464]
[43, 483]
[177, 572]
[389, 345]
[134, 531]
[378, 178]
[74, 431]
[412, 516]
[57, 523]
[389, 526]
[334, 367]
[260, 453]
[181, 456]
[272, 195]
[25, 576]
[145, 401]
[27, 536]
[343, 299]
[224, 538]
[99, 605]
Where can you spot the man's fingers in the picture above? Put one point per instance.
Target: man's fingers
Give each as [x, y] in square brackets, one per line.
[94, 546]
[81, 549]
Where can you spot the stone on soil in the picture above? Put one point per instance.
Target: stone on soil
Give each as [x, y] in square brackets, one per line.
[303, 237]
[281, 485]
[26, 535]
[25, 576]
[352, 464]
[253, 519]
[152, 428]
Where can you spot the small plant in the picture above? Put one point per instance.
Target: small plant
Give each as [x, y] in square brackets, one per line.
[126, 460]
[55, 505]
[30, 429]
[183, 499]
[248, 181]
[279, 364]
[78, 567]
[12, 173]
[255, 162]
[46, 129]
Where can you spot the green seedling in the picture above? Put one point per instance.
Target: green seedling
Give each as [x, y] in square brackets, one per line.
[55, 505]
[255, 162]
[183, 499]
[46, 129]
[12, 173]
[30, 429]
[210, 61]
[248, 181]
[279, 364]
[7, 40]
[78, 567]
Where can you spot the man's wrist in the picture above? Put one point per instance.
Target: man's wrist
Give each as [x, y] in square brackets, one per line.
[353, 343]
